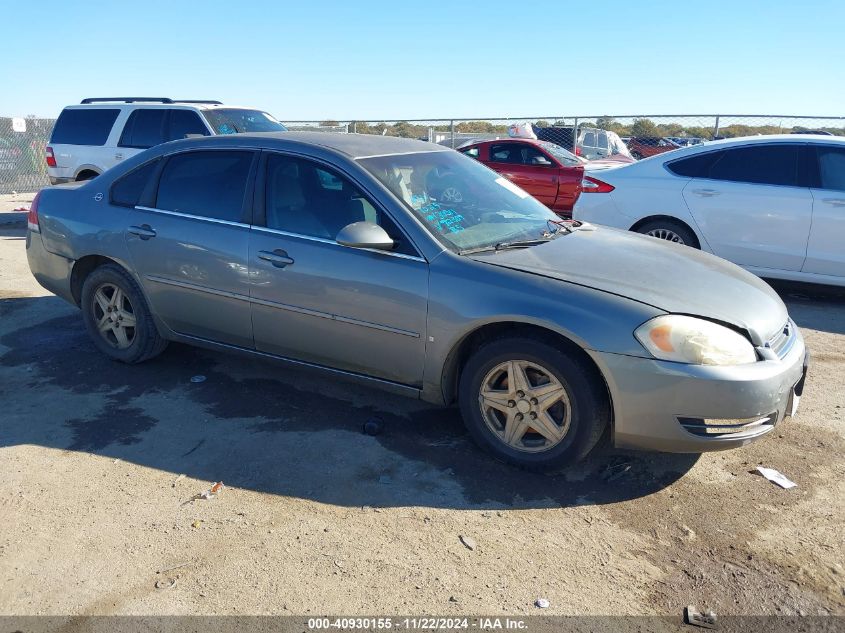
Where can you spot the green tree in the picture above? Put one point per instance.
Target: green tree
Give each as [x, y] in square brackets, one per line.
[644, 127]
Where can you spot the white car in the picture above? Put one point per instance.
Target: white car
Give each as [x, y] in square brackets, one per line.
[775, 205]
[97, 134]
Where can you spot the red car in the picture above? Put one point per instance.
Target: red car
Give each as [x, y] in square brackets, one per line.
[645, 146]
[545, 170]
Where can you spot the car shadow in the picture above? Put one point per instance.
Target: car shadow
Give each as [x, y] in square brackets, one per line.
[813, 306]
[269, 428]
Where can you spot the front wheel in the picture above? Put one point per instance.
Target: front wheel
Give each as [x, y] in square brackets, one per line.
[532, 404]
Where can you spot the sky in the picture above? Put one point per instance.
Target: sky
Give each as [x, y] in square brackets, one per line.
[406, 59]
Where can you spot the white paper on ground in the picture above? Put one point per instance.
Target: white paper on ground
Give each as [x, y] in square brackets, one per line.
[775, 477]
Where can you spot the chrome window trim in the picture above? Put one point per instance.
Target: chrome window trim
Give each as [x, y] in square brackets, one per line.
[281, 306]
[191, 216]
[322, 240]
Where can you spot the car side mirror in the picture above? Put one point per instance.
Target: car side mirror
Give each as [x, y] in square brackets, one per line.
[365, 235]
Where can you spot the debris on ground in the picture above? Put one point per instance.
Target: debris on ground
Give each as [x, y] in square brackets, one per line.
[612, 472]
[776, 477]
[166, 584]
[209, 494]
[167, 569]
[695, 617]
[373, 426]
[196, 523]
[541, 603]
[468, 542]
[198, 378]
[177, 480]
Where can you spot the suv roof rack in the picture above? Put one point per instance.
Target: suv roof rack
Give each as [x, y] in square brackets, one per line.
[147, 100]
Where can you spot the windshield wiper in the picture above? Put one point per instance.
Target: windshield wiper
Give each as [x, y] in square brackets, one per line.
[501, 246]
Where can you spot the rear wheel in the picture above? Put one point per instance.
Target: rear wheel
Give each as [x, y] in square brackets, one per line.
[532, 404]
[117, 316]
[669, 230]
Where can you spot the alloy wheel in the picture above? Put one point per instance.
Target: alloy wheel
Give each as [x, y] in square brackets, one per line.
[114, 316]
[525, 406]
[666, 234]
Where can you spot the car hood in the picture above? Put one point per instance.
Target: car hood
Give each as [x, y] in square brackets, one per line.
[676, 279]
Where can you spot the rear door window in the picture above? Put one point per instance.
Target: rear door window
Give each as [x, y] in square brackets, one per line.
[831, 168]
[184, 123]
[210, 184]
[759, 164]
[84, 126]
[697, 166]
[127, 190]
[145, 128]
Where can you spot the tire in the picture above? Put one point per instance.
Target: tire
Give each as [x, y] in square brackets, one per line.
[579, 415]
[100, 303]
[669, 230]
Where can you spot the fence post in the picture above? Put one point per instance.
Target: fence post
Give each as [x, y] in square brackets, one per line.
[716, 129]
[354, 127]
[575, 137]
[452, 127]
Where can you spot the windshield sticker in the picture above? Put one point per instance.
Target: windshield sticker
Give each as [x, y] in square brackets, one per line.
[507, 184]
[443, 219]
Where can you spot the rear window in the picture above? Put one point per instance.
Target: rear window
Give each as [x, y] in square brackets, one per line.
[84, 126]
[235, 120]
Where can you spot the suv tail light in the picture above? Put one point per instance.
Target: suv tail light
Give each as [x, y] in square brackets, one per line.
[594, 185]
[32, 216]
[51, 158]
[577, 151]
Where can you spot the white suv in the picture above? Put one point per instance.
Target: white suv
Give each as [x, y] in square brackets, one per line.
[100, 132]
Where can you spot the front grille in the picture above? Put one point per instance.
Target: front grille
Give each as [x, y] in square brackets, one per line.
[782, 341]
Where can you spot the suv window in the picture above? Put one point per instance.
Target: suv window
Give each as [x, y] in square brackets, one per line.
[831, 168]
[127, 190]
[210, 184]
[144, 128]
[185, 122]
[83, 126]
[759, 164]
[305, 198]
[589, 139]
[697, 166]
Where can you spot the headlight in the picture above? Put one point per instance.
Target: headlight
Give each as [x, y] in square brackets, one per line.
[685, 339]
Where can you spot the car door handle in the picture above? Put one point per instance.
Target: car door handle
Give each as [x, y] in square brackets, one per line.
[145, 231]
[118, 156]
[836, 202]
[706, 193]
[278, 258]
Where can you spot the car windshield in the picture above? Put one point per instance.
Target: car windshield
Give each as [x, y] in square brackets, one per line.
[234, 120]
[564, 156]
[461, 202]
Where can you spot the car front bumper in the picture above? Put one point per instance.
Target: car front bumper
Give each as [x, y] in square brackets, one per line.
[680, 408]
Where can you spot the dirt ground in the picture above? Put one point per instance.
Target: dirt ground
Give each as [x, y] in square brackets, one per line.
[99, 462]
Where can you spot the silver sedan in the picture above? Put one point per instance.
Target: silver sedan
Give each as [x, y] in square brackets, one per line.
[346, 254]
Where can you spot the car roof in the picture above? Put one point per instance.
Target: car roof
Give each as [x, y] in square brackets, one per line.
[353, 145]
[506, 139]
[772, 138]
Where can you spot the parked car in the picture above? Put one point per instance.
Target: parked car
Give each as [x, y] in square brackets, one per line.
[685, 141]
[99, 133]
[593, 143]
[772, 204]
[330, 252]
[547, 171]
[646, 146]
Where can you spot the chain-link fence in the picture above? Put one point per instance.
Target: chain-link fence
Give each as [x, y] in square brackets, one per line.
[22, 164]
[22, 141]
